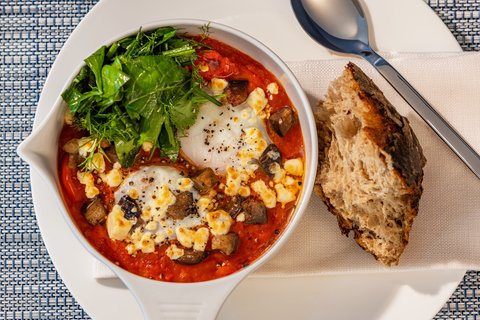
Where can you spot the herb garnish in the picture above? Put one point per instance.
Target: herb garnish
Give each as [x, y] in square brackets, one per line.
[138, 91]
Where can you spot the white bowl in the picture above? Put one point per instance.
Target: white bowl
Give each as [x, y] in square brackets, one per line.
[199, 300]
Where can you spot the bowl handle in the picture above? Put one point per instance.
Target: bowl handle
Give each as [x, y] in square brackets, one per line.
[39, 149]
[195, 301]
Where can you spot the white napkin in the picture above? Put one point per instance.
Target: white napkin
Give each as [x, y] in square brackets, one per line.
[446, 232]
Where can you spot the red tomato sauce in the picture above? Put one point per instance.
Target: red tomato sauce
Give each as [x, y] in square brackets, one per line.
[230, 64]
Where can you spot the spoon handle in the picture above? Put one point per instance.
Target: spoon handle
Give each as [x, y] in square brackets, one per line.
[441, 127]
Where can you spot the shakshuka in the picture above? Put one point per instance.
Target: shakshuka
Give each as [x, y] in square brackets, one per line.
[216, 206]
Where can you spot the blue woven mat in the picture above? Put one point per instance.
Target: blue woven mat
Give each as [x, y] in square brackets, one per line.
[32, 33]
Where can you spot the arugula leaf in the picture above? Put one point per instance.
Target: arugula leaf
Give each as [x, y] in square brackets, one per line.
[150, 127]
[153, 79]
[95, 63]
[183, 110]
[126, 152]
[73, 95]
[169, 145]
[112, 80]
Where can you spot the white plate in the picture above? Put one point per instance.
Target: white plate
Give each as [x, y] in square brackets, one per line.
[405, 26]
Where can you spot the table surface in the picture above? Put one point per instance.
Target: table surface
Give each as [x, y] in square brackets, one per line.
[32, 33]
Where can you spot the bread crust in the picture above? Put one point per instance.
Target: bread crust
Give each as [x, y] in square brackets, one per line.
[391, 132]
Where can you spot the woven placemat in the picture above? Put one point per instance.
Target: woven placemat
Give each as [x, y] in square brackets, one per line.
[32, 33]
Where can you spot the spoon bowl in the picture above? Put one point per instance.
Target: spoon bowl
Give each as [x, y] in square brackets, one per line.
[346, 34]
[351, 24]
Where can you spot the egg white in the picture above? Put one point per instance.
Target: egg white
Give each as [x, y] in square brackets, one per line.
[216, 137]
[146, 182]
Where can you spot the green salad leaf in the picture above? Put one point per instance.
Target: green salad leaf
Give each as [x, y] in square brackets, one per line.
[141, 89]
[95, 63]
[154, 80]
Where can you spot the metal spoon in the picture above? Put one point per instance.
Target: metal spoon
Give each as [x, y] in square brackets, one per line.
[341, 25]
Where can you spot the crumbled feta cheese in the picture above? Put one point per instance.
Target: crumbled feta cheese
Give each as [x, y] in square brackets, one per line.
[164, 197]
[294, 167]
[97, 163]
[244, 191]
[117, 226]
[219, 222]
[257, 100]
[157, 205]
[254, 138]
[284, 195]
[169, 232]
[142, 241]
[184, 184]
[160, 236]
[203, 204]
[234, 181]
[174, 252]
[114, 177]
[151, 226]
[266, 194]
[85, 146]
[240, 217]
[255, 144]
[278, 172]
[147, 215]
[218, 85]
[86, 178]
[191, 238]
[131, 249]
[133, 193]
[272, 88]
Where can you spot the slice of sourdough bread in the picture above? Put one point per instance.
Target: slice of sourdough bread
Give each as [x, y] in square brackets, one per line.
[370, 165]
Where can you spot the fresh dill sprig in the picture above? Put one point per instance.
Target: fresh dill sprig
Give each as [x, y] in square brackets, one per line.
[205, 29]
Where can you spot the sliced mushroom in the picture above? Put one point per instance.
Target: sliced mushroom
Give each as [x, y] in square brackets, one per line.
[111, 153]
[255, 212]
[226, 243]
[282, 120]
[191, 256]
[269, 156]
[74, 160]
[237, 92]
[183, 206]
[130, 208]
[95, 212]
[71, 146]
[205, 181]
[104, 143]
[233, 206]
